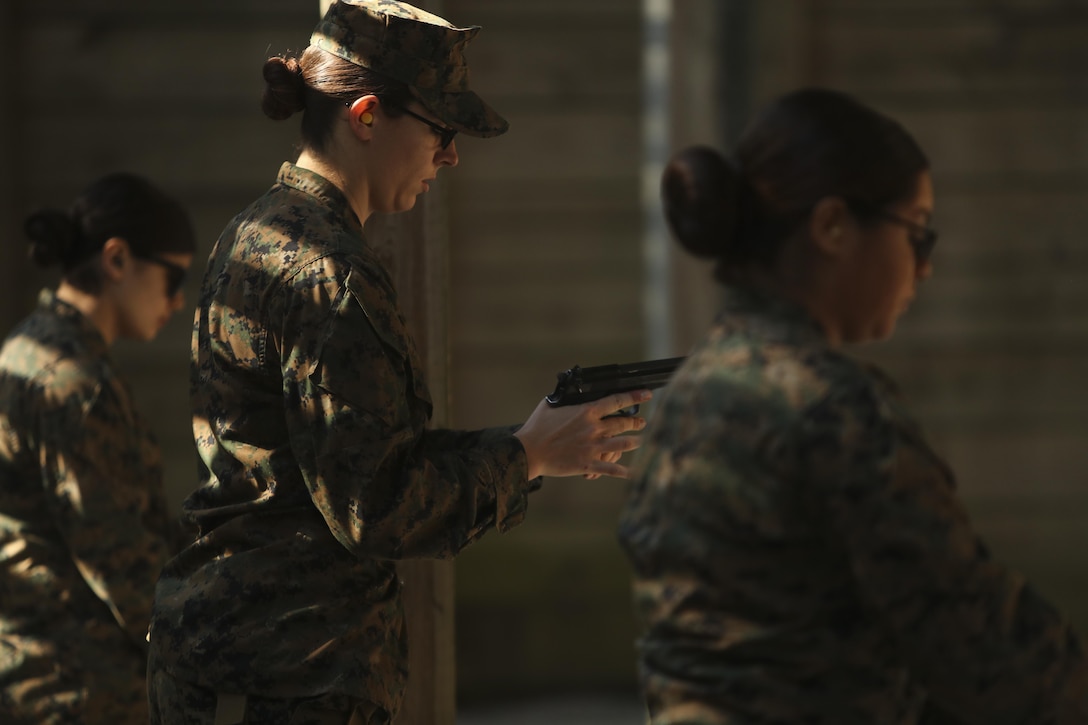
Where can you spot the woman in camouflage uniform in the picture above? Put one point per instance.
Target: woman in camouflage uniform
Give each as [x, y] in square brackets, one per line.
[311, 409]
[84, 529]
[800, 553]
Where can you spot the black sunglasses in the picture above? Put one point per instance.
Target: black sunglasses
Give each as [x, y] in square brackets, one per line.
[175, 273]
[445, 133]
[922, 238]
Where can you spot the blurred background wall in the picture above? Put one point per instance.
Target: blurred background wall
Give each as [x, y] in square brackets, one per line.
[546, 236]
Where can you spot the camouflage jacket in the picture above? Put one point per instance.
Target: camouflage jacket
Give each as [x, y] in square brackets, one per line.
[801, 555]
[84, 529]
[310, 415]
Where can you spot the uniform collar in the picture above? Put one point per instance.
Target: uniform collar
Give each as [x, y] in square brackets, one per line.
[50, 304]
[320, 188]
[777, 317]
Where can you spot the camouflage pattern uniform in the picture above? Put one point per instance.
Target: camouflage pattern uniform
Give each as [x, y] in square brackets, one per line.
[83, 527]
[310, 415]
[801, 556]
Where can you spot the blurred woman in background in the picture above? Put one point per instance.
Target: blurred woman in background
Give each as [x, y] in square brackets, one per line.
[84, 528]
[800, 553]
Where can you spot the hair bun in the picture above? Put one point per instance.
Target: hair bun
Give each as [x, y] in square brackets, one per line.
[700, 190]
[285, 89]
[53, 235]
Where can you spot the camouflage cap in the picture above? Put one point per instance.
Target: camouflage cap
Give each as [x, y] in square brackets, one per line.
[415, 47]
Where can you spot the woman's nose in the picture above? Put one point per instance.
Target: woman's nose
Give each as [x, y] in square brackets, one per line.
[448, 156]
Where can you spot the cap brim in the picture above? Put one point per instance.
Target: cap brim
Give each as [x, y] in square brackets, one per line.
[465, 112]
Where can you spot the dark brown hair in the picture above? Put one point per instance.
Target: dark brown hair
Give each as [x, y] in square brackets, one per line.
[117, 205]
[807, 145]
[320, 84]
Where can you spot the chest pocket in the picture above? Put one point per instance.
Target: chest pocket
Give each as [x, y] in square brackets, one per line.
[915, 452]
[368, 358]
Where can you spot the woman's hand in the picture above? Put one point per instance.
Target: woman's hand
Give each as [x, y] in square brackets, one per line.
[610, 457]
[579, 440]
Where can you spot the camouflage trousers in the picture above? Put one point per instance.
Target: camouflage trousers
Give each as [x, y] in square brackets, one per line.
[176, 702]
[71, 680]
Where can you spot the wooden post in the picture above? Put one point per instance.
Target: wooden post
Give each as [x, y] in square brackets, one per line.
[413, 246]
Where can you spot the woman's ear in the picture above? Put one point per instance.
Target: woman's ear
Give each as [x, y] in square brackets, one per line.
[361, 115]
[831, 226]
[115, 257]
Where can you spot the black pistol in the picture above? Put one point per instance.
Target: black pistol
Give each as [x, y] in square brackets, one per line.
[581, 385]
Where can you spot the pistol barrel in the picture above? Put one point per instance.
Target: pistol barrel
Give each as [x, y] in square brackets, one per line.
[581, 385]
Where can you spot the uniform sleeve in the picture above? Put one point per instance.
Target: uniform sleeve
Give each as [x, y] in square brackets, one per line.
[357, 410]
[985, 644]
[102, 473]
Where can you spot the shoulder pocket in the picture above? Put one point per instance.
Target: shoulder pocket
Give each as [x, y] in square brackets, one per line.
[379, 303]
[367, 358]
